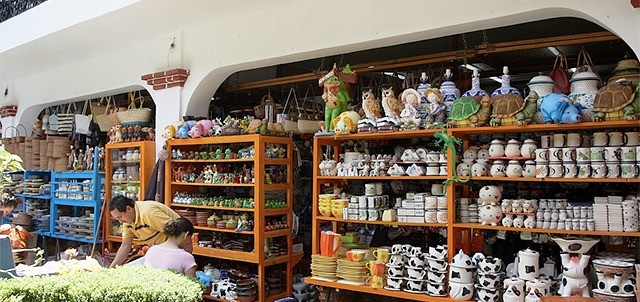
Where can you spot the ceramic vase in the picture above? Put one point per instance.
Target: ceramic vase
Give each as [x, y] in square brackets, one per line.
[449, 90]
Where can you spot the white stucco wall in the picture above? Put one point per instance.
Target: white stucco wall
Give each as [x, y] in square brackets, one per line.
[252, 34]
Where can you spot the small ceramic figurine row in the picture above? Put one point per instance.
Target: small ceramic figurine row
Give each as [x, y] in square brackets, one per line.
[123, 134]
[210, 154]
[215, 201]
[217, 127]
[82, 160]
[212, 174]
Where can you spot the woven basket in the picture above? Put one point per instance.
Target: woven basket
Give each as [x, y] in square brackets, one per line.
[61, 148]
[106, 118]
[50, 149]
[133, 115]
[60, 164]
[35, 147]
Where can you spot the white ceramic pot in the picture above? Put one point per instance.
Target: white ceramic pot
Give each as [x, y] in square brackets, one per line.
[496, 149]
[498, 169]
[514, 169]
[528, 148]
[528, 266]
[512, 149]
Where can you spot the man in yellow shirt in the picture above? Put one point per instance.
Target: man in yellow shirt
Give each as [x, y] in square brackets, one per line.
[143, 220]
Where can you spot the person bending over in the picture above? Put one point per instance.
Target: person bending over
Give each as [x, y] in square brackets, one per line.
[143, 220]
[169, 255]
[8, 202]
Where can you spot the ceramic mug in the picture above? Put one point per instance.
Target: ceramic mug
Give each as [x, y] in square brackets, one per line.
[396, 260]
[416, 261]
[437, 289]
[628, 153]
[632, 138]
[617, 138]
[396, 249]
[381, 255]
[489, 280]
[597, 153]
[570, 170]
[568, 154]
[542, 170]
[461, 274]
[556, 170]
[546, 141]
[612, 154]
[574, 140]
[584, 170]
[613, 170]
[461, 291]
[415, 251]
[555, 154]
[415, 285]
[559, 140]
[438, 265]
[638, 153]
[395, 272]
[438, 252]
[600, 139]
[395, 283]
[598, 169]
[542, 155]
[629, 170]
[376, 268]
[437, 277]
[370, 189]
[373, 215]
[355, 256]
[583, 154]
[415, 273]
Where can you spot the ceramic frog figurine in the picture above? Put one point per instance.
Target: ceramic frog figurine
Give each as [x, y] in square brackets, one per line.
[335, 97]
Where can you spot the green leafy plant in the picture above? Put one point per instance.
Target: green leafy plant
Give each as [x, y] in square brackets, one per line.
[8, 163]
[122, 284]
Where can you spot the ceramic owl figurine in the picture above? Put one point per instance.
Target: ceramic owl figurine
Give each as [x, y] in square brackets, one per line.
[390, 103]
[370, 106]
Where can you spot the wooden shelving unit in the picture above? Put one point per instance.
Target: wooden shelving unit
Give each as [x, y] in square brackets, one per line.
[257, 190]
[143, 166]
[455, 230]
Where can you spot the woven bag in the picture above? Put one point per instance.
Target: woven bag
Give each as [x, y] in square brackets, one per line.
[287, 118]
[65, 120]
[309, 118]
[106, 118]
[135, 116]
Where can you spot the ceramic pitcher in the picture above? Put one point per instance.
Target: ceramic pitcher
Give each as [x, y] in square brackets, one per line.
[330, 243]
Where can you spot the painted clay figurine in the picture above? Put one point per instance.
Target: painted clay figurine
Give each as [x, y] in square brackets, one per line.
[370, 106]
[510, 109]
[390, 104]
[465, 111]
[437, 108]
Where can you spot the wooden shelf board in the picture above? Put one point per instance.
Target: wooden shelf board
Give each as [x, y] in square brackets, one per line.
[393, 223]
[124, 182]
[276, 161]
[382, 292]
[125, 145]
[210, 185]
[552, 179]
[277, 233]
[545, 127]
[570, 232]
[125, 162]
[377, 135]
[277, 260]
[237, 160]
[118, 238]
[334, 178]
[225, 254]
[212, 208]
[223, 230]
[275, 212]
[215, 140]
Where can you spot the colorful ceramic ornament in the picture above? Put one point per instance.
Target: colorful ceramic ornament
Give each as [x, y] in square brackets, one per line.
[437, 109]
[335, 95]
[505, 88]
[424, 85]
[346, 122]
[617, 101]
[466, 111]
[371, 106]
[449, 90]
[510, 109]
[558, 108]
[390, 104]
[409, 115]
[475, 92]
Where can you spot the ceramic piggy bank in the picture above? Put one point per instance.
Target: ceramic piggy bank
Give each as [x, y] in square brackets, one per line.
[490, 195]
[490, 214]
[328, 168]
[558, 108]
[346, 122]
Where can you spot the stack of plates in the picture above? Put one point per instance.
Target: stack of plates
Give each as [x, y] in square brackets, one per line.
[201, 218]
[601, 213]
[32, 186]
[351, 271]
[324, 267]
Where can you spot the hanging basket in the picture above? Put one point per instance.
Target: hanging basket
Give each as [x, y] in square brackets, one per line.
[135, 116]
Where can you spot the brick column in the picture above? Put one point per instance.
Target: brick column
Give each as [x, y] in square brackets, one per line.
[166, 79]
[8, 111]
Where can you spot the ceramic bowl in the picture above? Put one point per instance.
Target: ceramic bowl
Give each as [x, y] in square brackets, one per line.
[575, 245]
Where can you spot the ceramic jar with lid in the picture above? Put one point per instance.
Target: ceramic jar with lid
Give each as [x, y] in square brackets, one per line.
[512, 149]
[449, 90]
[536, 288]
[475, 91]
[528, 148]
[528, 264]
[424, 104]
[129, 155]
[529, 169]
[496, 149]
[498, 168]
[513, 290]
[543, 85]
[584, 86]
[514, 169]
[135, 155]
[505, 88]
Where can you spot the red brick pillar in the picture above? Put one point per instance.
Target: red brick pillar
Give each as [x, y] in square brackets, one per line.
[7, 111]
[166, 79]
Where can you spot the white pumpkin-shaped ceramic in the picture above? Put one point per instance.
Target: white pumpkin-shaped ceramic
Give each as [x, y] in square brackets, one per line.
[496, 149]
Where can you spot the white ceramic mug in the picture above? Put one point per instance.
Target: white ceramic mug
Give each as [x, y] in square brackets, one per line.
[598, 169]
[370, 189]
[638, 154]
[556, 169]
[632, 138]
[555, 154]
[612, 154]
[542, 170]
[629, 169]
[443, 170]
[613, 170]
[583, 154]
[416, 262]
[568, 154]
[395, 272]
[586, 140]
[395, 283]
[542, 155]
[597, 154]
[584, 170]
[600, 139]
[570, 170]
[628, 153]
[574, 140]
[396, 249]
[559, 140]
[546, 141]
[415, 273]
[616, 138]
[433, 169]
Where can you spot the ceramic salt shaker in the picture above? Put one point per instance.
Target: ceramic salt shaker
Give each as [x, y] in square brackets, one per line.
[449, 90]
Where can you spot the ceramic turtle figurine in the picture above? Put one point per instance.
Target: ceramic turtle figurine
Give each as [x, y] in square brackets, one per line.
[510, 109]
[616, 101]
[466, 111]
